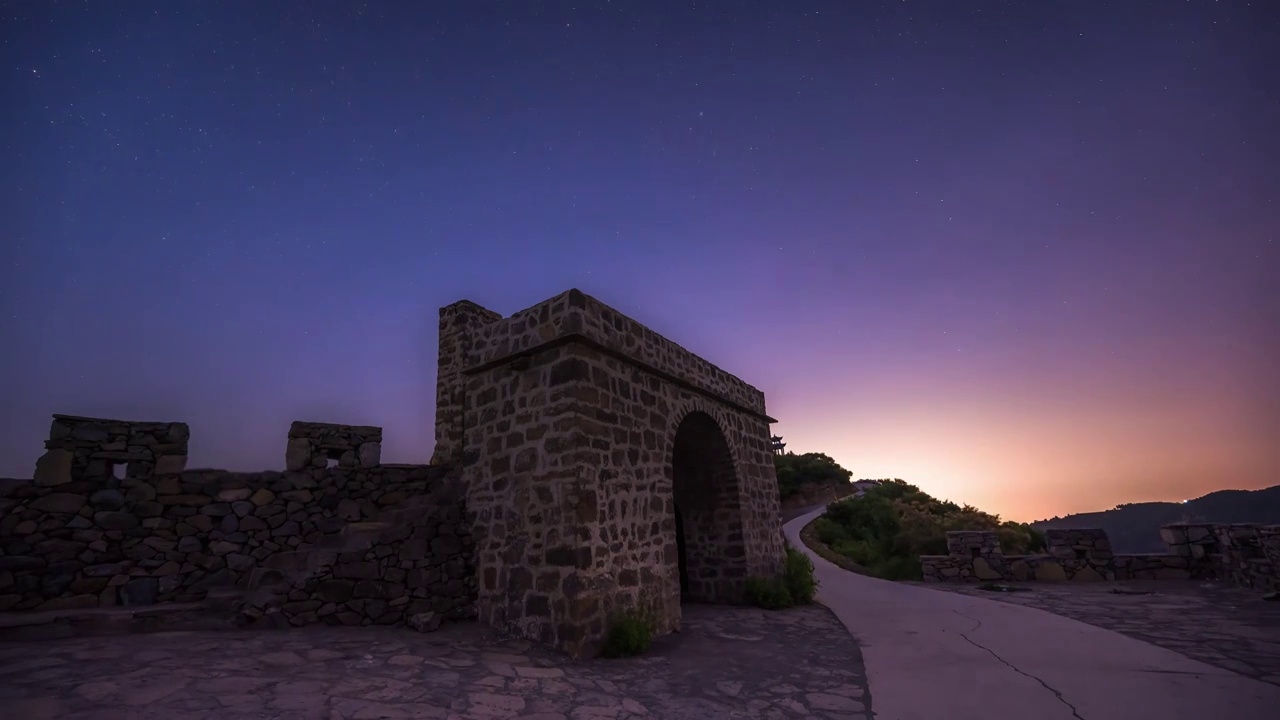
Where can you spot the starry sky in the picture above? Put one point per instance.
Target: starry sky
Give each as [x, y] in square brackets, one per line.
[1023, 255]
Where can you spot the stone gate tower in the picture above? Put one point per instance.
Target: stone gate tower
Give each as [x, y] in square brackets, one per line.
[606, 468]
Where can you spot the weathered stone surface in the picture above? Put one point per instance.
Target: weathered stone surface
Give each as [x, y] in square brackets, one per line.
[298, 453]
[109, 520]
[565, 416]
[54, 468]
[170, 464]
[59, 502]
[142, 591]
[231, 495]
[1242, 553]
[370, 454]
[107, 499]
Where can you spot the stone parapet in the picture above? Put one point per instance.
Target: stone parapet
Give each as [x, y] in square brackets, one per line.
[573, 314]
[1246, 554]
[95, 449]
[100, 540]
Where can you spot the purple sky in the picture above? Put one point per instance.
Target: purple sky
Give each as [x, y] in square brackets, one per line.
[1021, 254]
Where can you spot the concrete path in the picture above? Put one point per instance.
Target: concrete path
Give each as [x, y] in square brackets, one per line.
[932, 655]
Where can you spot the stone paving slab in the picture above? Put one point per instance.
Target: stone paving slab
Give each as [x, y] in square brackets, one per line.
[1212, 622]
[726, 663]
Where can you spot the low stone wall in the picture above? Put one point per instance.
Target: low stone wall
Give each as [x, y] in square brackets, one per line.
[1252, 559]
[88, 533]
[1247, 554]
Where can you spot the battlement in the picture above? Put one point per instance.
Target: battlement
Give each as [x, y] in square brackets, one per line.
[95, 449]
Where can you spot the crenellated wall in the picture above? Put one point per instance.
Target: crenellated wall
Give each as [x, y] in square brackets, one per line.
[85, 534]
[584, 467]
[1249, 555]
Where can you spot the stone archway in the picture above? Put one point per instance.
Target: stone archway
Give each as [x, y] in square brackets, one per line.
[709, 532]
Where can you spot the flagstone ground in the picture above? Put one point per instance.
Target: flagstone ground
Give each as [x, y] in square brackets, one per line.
[728, 662]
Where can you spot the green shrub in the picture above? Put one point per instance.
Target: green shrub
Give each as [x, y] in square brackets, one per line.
[629, 635]
[796, 585]
[828, 531]
[768, 593]
[798, 576]
[887, 530]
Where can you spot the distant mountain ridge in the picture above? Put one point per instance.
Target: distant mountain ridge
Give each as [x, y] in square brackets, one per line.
[1135, 527]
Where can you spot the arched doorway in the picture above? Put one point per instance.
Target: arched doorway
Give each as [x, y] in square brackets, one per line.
[708, 513]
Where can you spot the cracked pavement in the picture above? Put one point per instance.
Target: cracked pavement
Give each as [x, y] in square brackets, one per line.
[977, 625]
[1213, 622]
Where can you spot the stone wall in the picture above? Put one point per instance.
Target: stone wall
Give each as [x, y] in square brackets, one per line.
[93, 450]
[1247, 554]
[572, 413]
[459, 325]
[414, 565]
[80, 535]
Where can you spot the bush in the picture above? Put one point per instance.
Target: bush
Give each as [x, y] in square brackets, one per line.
[768, 593]
[887, 530]
[629, 635]
[796, 585]
[798, 576]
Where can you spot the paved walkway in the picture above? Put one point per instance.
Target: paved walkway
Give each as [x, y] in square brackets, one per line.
[727, 663]
[932, 654]
[1213, 622]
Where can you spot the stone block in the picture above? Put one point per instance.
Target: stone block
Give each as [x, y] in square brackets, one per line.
[1087, 574]
[112, 520]
[297, 454]
[231, 495]
[983, 570]
[170, 464]
[54, 468]
[370, 454]
[1049, 571]
[140, 591]
[107, 499]
[59, 503]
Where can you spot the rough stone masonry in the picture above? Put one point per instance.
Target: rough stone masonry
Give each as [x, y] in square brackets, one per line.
[584, 466]
[607, 468]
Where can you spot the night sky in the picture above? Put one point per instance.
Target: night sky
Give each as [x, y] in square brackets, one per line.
[1023, 254]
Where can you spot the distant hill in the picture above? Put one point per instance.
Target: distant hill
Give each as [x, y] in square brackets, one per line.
[1135, 527]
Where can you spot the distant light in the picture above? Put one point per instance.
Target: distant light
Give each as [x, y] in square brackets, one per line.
[1184, 502]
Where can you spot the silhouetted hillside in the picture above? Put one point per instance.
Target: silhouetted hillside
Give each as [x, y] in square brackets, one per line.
[1135, 527]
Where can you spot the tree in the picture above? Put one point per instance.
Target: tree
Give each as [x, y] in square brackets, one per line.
[795, 471]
